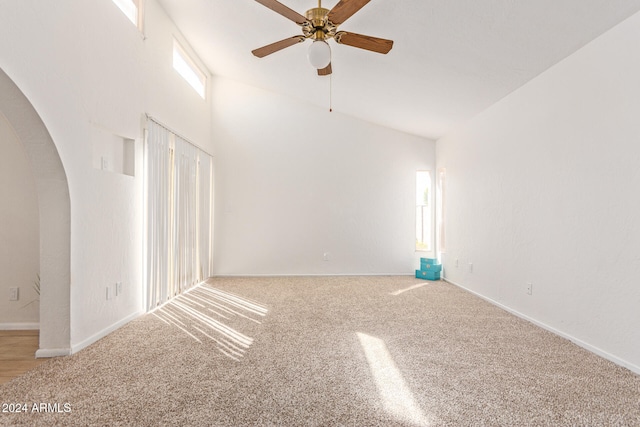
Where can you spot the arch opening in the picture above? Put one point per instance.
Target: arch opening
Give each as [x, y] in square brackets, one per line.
[54, 218]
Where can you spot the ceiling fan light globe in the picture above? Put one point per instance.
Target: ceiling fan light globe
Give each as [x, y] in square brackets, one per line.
[319, 54]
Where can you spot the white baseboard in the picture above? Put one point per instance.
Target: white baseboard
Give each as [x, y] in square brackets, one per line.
[103, 333]
[52, 352]
[578, 342]
[19, 326]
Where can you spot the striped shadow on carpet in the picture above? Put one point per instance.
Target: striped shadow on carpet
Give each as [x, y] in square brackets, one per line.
[201, 313]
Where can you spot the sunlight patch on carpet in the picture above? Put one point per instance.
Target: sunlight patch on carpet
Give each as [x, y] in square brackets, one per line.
[396, 396]
[398, 292]
[204, 313]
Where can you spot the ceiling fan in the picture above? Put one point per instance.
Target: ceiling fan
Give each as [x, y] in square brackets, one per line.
[320, 24]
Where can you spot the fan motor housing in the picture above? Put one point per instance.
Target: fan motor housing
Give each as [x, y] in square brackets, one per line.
[321, 28]
[317, 16]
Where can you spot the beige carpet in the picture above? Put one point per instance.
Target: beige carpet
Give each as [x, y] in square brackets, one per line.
[327, 351]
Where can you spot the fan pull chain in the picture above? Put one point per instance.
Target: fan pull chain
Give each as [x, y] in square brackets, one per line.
[331, 92]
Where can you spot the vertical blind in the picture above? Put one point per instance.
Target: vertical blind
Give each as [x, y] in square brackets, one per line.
[179, 213]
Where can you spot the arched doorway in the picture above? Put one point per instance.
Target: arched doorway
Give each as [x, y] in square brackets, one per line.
[54, 218]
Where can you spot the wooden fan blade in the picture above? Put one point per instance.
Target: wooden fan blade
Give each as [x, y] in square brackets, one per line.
[274, 47]
[344, 10]
[325, 71]
[373, 44]
[283, 10]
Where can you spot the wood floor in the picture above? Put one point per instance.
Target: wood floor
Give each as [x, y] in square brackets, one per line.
[17, 353]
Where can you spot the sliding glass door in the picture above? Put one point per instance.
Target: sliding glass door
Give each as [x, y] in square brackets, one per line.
[179, 214]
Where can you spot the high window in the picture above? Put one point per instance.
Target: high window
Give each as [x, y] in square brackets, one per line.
[187, 68]
[132, 10]
[423, 211]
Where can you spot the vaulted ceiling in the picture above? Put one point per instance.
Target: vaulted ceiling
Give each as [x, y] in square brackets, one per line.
[451, 58]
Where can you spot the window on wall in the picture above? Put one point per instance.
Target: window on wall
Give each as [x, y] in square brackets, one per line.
[423, 211]
[440, 202]
[187, 68]
[132, 10]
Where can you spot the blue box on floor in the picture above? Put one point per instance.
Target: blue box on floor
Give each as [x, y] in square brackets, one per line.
[429, 269]
[427, 275]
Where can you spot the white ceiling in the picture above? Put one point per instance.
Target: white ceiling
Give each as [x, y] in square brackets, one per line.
[451, 58]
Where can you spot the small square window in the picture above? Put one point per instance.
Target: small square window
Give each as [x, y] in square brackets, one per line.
[188, 69]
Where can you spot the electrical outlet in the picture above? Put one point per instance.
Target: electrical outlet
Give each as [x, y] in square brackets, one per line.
[326, 256]
[529, 288]
[14, 294]
[118, 288]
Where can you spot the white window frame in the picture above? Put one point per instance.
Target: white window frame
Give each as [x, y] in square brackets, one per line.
[424, 237]
[189, 70]
[441, 189]
[133, 10]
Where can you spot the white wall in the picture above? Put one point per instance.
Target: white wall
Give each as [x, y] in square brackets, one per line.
[543, 187]
[89, 72]
[19, 233]
[295, 181]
